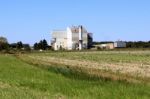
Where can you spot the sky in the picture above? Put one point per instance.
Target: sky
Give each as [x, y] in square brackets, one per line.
[30, 21]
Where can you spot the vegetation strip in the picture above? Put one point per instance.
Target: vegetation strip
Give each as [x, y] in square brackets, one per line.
[91, 69]
[21, 80]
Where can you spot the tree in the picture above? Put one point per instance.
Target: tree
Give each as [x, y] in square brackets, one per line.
[36, 46]
[26, 47]
[45, 45]
[3, 43]
[3, 40]
[19, 45]
[41, 45]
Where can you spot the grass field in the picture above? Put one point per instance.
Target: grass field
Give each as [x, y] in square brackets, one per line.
[133, 64]
[61, 75]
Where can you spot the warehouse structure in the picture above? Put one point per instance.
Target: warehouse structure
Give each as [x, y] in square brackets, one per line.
[73, 38]
[107, 46]
[120, 44]
[112, 45]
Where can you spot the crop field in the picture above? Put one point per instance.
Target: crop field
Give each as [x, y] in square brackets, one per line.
[76, 75]
[133, 64]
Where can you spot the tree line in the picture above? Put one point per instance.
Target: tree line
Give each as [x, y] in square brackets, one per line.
[5, 46]
[43, 45]
[138, 44]
[19, 46]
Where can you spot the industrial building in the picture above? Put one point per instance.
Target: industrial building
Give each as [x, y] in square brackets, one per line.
[111, 45]
[107, 46]
[119, 44]
[73, 38]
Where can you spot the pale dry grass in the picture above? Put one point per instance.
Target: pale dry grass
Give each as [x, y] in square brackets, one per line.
[4, 85]
[133, 69]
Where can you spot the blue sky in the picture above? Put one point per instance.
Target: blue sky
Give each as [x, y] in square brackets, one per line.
[109, 20]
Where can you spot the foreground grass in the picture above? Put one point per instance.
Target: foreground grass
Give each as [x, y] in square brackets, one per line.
[20, 80]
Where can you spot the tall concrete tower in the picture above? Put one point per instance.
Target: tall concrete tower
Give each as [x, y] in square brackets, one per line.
[80, 38]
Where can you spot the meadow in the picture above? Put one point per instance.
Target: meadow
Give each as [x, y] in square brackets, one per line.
[124, 64]
[75, 75]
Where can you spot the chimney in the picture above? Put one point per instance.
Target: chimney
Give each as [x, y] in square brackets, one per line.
[80, 37]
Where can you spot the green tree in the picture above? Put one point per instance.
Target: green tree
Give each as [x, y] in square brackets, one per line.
[19, 45]
[3, 43]
[45, 45]
[3, 40]
[41, 45]
[36, 46]
[26, 47]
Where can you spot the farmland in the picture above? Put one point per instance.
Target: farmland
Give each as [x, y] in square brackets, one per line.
[133, 64]
[77, 75]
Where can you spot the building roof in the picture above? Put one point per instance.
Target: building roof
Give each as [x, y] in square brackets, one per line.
[75, 29]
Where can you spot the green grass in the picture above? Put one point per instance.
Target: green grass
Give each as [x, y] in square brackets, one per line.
[19, 80]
